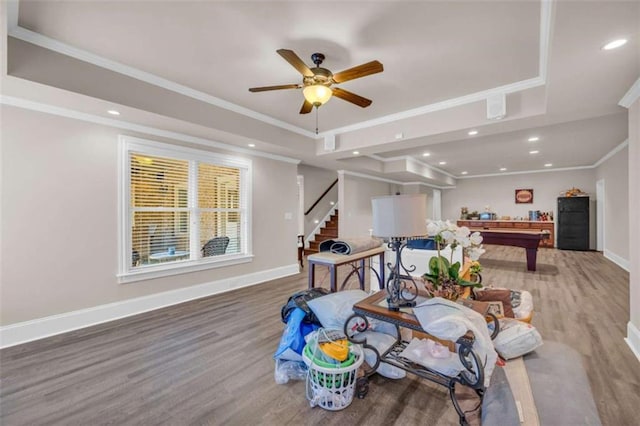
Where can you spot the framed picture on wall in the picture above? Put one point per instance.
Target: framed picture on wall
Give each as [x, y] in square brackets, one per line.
[524, 196]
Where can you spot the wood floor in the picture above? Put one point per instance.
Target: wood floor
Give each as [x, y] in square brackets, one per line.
[210, 361]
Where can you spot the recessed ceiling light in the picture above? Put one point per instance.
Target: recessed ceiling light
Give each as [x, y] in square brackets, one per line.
[252, 145]
[464, 173]
[533, 139]
[332, 203]
[442, 163]
[548, 165]
[502, 169]
[534, 152]
[113, 112]
[426, 154]
[473, 132]
[356, 152]
[614, 44]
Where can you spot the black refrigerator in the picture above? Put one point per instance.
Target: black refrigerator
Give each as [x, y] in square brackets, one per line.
[573, 223]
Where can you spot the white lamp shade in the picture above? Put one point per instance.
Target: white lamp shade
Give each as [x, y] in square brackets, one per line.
[317, 94]
[400, 215]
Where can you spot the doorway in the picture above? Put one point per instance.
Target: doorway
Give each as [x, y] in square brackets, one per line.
[600, 194]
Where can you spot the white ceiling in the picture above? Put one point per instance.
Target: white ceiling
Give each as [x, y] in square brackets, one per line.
[441, 60]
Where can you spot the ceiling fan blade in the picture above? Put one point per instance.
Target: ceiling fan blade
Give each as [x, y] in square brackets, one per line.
[306, 107]
[282, 86]
[291, 57]
[369, 68]
[351, 97]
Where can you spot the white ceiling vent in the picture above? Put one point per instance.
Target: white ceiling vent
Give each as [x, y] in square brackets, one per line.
[330, 142]
[496, 106]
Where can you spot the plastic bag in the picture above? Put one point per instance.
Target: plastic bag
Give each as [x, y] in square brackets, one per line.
[525, 305]
[432, 355]
[516, 338]
[289, 370]
[292, 341]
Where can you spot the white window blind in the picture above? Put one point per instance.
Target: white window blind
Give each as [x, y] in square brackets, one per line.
[183, 207]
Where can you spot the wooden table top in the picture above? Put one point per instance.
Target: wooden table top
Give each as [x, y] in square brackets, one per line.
[514, 231]
[328, 258]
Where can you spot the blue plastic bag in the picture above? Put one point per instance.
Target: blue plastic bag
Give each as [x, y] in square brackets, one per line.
[292, 341]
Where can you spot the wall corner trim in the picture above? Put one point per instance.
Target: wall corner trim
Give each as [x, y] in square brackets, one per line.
[23, 332]
[633, 339]
[631, 96]
[618, 260]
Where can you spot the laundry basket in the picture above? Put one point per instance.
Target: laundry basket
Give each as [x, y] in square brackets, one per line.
[331, 386]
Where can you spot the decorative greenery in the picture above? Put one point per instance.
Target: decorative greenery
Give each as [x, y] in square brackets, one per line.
[444, 278]
[476, 267]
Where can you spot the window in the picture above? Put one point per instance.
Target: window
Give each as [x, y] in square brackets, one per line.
[181, 209]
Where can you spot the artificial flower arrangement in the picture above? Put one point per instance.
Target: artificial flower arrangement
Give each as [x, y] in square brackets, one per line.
[443, 278]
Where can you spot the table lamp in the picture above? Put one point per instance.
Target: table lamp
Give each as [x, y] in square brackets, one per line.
[398, 218]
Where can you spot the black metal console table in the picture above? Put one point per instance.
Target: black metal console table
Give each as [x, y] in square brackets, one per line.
[374, 307]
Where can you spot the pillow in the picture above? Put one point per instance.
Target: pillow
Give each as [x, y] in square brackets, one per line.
[516, 338]
[422, 244]
[381, 342]
[500, 295]
[333, 309]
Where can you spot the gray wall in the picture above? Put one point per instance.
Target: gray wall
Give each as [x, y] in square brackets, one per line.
[59, 219]
[356, 218]
[499, 193]
[615, 172]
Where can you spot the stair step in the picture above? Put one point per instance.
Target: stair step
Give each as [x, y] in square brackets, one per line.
[310, 251]
[331, 233]
[319, 238]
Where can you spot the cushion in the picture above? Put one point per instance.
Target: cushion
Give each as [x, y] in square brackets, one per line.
[381, 342]
[498, 405]
[516, 338]
[334, 309]
[422, 244]
[560, 386]
[500, 295]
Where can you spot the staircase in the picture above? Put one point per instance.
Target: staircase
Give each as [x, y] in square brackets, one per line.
[327, 232]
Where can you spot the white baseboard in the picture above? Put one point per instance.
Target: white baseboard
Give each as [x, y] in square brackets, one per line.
[633, 339]
[620, 261]
[27, 331]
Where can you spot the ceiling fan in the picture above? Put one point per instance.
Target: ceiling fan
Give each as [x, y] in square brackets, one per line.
[316, 82]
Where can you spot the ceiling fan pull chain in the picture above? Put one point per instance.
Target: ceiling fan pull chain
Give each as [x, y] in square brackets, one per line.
[316, 120]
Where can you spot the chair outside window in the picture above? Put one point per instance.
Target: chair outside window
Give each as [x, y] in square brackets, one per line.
[215, 246]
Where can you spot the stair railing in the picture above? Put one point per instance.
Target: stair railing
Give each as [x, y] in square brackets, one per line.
[326, 191]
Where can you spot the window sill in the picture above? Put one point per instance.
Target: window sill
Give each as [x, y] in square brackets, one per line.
[159, 271]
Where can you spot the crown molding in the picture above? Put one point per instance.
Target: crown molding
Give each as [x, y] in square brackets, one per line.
[608, 155]
[412, 159]
[90, 118]
[13, 9]
[439, 106]
[632, 95]
[611, 153]
[395, 182]
[546, 14]
[85, 56]
[525, 172]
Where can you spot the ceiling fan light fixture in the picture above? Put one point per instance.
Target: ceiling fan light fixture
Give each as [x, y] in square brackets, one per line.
[317, 94]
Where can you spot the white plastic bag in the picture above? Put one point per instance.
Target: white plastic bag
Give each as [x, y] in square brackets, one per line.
[289, 370]
[433, 355]
[516, 338]
[449, 320]
[524, 308]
